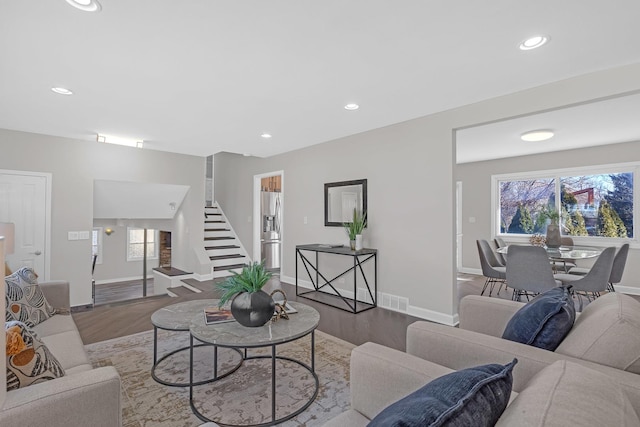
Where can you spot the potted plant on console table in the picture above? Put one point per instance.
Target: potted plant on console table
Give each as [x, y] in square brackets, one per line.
[354, 229]
[250, 306]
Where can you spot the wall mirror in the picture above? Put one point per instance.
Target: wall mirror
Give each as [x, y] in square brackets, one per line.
[340, 198]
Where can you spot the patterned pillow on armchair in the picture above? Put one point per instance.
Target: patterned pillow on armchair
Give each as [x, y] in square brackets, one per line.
[24, 299]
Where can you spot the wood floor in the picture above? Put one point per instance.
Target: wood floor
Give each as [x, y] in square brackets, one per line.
[378, 325]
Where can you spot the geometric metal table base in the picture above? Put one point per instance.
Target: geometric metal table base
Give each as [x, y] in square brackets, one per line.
[273, 357]
[157, 361]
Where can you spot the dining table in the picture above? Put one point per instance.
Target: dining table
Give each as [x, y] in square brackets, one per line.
[564, 252]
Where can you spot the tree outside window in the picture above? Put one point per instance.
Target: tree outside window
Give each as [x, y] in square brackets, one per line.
[591, 205]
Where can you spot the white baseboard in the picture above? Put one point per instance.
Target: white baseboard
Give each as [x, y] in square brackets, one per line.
[631, 290]
[203, 277]
[423, 313]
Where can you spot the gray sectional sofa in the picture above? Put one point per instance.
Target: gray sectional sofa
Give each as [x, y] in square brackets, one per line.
[83, 397]
[590, 380]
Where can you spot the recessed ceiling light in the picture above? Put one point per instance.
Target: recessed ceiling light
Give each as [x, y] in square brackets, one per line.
[533, 42]
[62, 90]
[266, 135]
[129, 142]
[86, 5]
[351, 107]
[537, 135]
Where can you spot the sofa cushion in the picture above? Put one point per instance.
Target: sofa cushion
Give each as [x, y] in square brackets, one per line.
[55, 325]
[607, 332]
[544, 321]
[32, 365]
[474, 396]
[68, 349]
[565, 393]
[25, 300]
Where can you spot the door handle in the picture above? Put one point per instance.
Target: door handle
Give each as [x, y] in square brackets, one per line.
[36, 252]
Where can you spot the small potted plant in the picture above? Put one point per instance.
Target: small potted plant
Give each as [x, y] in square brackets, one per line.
[250, 305]
[354, 229]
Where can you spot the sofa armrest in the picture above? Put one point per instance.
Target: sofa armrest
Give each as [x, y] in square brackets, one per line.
[90, 398]
[57, 294]
[457, 349]
[486, 315]
[381, 375]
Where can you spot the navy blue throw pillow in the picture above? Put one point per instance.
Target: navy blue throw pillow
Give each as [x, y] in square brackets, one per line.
[544, 321]
[470, 397]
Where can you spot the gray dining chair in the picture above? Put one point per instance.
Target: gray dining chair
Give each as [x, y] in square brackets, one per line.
[619, 262]
[500, 244]
[566, 263]
[491, 268]
[595, 281]
[529, 272]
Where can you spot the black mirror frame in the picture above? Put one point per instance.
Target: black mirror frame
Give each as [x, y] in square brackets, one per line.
[362, 182]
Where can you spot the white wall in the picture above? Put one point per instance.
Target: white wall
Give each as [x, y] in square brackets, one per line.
[411, 188]
[74, 165]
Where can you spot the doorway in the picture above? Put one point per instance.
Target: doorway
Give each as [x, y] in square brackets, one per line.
[268, 224]
[25, 200]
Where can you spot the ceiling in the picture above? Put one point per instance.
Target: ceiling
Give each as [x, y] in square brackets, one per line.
[602, 122]
[203, 76]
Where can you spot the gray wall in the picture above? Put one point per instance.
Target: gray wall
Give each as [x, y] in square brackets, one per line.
[476, 179]
[74, 165]
[411, 187]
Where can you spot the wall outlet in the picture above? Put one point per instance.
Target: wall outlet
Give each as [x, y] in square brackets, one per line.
[305, 220]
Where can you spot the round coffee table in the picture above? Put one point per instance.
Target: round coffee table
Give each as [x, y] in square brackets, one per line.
[177, 317]
[235, 336]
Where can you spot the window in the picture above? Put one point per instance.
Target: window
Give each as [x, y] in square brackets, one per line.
[135, 244]
[96, 244]
[593, 202]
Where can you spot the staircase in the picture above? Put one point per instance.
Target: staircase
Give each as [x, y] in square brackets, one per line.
[221, 243]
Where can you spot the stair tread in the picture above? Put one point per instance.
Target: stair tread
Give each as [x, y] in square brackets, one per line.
[215, 222]
[216, 257]
[216, 229]
[229, 267]
[220, 238]
[208, 248]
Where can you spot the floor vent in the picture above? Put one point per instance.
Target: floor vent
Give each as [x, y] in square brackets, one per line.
[393, 302]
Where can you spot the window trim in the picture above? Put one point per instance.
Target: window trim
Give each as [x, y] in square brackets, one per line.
[156, 249]
[100, 245]
[633, 167]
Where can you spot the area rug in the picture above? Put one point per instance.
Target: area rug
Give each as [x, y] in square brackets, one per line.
[241, 398]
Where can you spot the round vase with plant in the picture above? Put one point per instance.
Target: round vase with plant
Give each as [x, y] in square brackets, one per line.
[354, 229]
[250, 305]
[553, 238]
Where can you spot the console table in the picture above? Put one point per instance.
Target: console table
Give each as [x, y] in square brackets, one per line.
[324, 291]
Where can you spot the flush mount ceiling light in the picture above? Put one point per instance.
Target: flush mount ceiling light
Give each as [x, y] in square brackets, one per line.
[129, 142]
[537, 135]
[266, 135]
[533, 42]
[62, 91]
[86, 5]
[351, 107]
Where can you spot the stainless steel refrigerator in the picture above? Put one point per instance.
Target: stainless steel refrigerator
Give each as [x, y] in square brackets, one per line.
[270, 241]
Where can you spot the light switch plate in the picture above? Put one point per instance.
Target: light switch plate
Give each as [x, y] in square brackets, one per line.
[83, 235]
[73, 235]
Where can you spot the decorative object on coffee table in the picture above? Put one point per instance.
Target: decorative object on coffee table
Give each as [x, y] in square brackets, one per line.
[354, 229]
[537, 239]
[251, 306]
[280, 309]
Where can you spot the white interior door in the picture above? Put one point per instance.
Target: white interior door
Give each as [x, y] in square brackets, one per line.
[23, 201]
